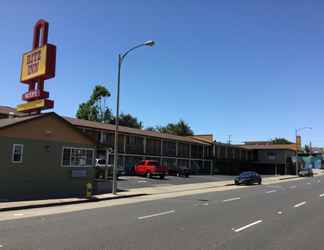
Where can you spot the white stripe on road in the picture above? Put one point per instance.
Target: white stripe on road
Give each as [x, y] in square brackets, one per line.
[18, 214]
[271, 191]
[319, 181]
[309, 183]
[154, 215]
[279, 212]
[232, 199]
[292, 187]
[321, 195]
[300, 204]
[141, 181]
[1, 245]
[247, 226]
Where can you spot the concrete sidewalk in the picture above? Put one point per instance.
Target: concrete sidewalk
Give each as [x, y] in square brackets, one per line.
[9, 206]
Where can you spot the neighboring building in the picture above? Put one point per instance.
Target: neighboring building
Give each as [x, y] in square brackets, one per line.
[231, 159]
[137, 144]
[272, 158]
[43, 156]
[6, 112]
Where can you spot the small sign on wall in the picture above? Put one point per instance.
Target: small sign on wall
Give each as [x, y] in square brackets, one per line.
[79, 173]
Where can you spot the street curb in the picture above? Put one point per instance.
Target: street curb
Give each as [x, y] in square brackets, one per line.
[94, 199]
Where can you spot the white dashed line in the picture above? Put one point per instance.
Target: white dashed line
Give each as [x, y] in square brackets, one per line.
[232, 199]
[141, 181]
[292, 187]
[154, 215]
[300, 204]
[18, 214]
[319, 181]
[1, 245]
[271, 191]
[308, 183]
[279, 212]
[247, 226]
[321, 195]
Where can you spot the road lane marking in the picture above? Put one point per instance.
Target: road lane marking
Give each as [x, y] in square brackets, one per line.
[141, 181]
[18, 214]
[292, 187]
[321, 195]
[308, 183]
[1, 245]
[271, 191]
[279, 212]
[300, 204]
[232, 199]
[247, 226]
[154, 215]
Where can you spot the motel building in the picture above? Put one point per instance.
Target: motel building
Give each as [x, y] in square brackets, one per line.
[47, 155]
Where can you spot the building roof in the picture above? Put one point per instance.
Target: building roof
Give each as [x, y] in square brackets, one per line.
[127, 130]
[6, 110]
[4, 123]
[258, 142]
[208, 138]
[271, 146]
[12, 121]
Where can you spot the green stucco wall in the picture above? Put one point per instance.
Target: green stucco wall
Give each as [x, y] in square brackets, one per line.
[41, 173]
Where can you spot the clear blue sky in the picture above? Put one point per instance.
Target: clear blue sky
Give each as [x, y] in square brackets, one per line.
[252, 69]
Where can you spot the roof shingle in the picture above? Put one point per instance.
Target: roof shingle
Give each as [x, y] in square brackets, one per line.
[122, 129]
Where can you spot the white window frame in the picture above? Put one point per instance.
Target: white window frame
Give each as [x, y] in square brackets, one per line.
[13, 153]
[77, 166]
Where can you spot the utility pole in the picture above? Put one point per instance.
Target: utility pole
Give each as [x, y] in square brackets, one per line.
[310, 147]
[299, 143]
[229, 139]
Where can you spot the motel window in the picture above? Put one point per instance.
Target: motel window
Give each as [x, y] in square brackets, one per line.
[272, 156]
[17, 153]
[77, 157]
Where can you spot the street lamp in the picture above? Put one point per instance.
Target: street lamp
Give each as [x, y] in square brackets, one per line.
[121, 58]
[296, 133]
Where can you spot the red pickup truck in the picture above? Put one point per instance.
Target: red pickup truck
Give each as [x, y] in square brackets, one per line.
[150, 168]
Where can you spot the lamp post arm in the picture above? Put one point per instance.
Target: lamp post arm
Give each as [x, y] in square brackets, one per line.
[131, 49]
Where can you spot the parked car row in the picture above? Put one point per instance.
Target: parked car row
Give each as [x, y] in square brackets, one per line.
[103, 169]
[151, 168]
[147, 168]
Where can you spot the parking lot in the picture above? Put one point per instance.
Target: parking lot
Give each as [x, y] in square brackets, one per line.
[131, 182]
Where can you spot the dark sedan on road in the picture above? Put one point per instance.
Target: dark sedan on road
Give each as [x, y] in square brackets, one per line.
[247, 178]
[306, 172]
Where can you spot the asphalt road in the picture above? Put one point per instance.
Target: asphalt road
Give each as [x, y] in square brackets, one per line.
[282, 216]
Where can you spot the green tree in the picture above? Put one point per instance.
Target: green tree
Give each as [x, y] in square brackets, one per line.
[151, 129]
[181, 128]
[96, 109]
[281, 141]
[128, 120]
